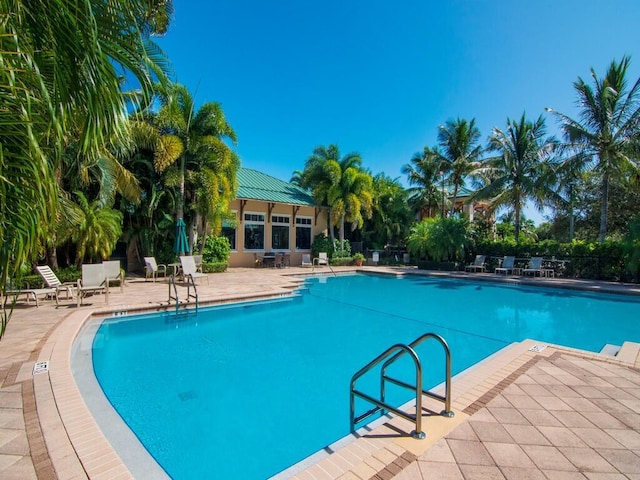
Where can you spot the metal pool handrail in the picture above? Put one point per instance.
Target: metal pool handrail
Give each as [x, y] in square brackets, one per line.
[446, 399]
[379, 404]
[389, 356]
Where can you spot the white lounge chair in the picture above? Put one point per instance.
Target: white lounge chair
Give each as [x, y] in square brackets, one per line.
[31, 294]
[94, 280]
[321, 259]
[535, 267]
[189, 268]
[306, 260]
[114, 273]
[52, 281]
[507, 265]
[153, 269]
[477, 265]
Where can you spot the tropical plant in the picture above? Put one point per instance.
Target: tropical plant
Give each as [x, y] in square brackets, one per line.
[206, 170]
[391, 216]
[60, 76]
[459, 152]
[522, 170]
[96, 235]
[216, 249]
[341, 184]
[606, 138]
[439, 239]
[424, 174]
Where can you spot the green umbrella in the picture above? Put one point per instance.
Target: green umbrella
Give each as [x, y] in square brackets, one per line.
[181, 244]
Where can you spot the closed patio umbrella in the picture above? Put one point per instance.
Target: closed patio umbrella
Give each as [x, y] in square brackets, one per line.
[181, 244]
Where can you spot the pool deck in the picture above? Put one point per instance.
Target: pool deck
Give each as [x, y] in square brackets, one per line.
[532, 411]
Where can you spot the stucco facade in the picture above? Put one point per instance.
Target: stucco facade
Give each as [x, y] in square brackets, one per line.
[271, 216]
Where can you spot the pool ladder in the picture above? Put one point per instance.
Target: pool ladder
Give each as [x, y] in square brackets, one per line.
[390, 356]
[173, 291]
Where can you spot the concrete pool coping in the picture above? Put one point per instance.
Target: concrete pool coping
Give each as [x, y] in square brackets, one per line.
[64, 440]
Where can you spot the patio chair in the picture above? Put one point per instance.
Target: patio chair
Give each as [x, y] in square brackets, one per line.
[477, 265]
[321, 259]
[535, 267]
[52, 281]
[507, 265]
[189, 268]
[30, 294]
[114, 273]
[94, 280]
[153, 269]
[306, 260]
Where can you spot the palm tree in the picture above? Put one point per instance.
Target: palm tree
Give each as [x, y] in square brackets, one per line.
[522, 169]
[606, 138]
[391, 217]
[61, 71]
[458, 141]
[425, 173]
[207, 164]
[98, 232]
[341, 184]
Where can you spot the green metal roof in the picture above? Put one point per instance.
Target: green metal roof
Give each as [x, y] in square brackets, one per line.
[255, 185]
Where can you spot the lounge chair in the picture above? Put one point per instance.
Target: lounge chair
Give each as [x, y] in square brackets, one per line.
[306, 260]
[477, 265]
[321, 259]
[31, 294]
[153, 269]
[94, 280]
[114, 273]
[53, 281]
[189, 268]
[535, 267]
[507, 265]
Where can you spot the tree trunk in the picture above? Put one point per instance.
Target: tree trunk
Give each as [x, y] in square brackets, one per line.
[604, 193]
[516, 211]
[52, 257]
[332, 234]
[455, 197]
[342, 232]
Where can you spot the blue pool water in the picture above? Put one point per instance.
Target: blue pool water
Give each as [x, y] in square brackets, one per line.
[247, 391]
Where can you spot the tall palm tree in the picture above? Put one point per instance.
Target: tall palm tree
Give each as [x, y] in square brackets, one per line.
[341, 184]
[424, 174]
[207, 165]
[458, 142]
[522, 170]
[61, 70]
[606, 138]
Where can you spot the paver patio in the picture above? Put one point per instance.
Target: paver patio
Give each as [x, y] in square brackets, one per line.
[559, 413]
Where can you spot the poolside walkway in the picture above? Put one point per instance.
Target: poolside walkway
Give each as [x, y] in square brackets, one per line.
[545, 413]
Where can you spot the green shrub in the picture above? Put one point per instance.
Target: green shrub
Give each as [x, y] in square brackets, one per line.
[214, 267]
[216, 249]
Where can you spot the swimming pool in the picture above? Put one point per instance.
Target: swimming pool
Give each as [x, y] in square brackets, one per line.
[247, 391]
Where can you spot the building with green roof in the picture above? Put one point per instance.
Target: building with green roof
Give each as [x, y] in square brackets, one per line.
[272, 217]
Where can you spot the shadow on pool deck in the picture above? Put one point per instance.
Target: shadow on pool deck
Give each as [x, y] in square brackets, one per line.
[560, 413]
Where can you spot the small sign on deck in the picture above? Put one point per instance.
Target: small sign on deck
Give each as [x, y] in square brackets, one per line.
[41, 367]
[537, 348]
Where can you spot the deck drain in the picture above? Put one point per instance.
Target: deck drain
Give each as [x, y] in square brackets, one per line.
[537, 348]
[41, 367]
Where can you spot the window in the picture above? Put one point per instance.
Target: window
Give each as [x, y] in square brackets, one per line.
[303, 233]
[254, 231]
[280, 232]
[229, 231]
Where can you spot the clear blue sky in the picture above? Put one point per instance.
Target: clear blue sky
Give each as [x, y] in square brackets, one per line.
[379, 77]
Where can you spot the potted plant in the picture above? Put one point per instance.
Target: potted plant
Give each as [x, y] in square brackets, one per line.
[358, 258]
